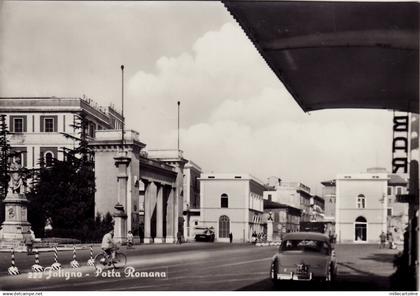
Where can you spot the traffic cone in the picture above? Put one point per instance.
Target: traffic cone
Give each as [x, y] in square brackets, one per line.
[13, 270]
[37, 267]
[56, 265]
[91, 261]
[74, 263]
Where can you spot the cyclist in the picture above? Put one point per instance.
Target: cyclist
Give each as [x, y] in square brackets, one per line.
[108, 244]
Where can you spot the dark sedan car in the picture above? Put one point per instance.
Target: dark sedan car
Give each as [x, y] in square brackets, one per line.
[204, 234]
[304, 256]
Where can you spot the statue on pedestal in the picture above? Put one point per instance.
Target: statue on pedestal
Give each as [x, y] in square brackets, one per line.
[16, 182]
[15, 228]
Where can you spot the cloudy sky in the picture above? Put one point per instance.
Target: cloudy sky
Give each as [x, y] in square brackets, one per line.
[236, 116]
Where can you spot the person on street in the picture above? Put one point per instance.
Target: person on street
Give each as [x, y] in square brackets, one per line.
[108, 244]
[392, 240]
[29, 241]
[230, 237]
[382, 238]
[179, 237]
[130, 238]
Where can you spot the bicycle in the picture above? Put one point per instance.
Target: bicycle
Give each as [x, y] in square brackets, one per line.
[103, 260]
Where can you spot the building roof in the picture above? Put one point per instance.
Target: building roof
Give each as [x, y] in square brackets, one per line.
[396, 180]
[227, 176]
[268, 204]
[328, 183]
[338, 54]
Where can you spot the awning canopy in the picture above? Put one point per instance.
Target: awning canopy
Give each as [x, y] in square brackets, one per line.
[338, 54]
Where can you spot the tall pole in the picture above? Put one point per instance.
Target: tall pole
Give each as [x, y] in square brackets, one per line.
[122, 107]
[179, 103]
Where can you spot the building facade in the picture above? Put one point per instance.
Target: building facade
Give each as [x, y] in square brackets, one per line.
[38, 125]
[285, 218]
[328, 193]
[293, 194]
[150, 204]
[231, 203]
[397, 212]
[317, 209]
[192, 174]
[361, 207]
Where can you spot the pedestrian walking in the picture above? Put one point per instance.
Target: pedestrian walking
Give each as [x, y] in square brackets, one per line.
[382, 238]
[130, 238]
[392, 240]
[179, 237]
[29, 241]
[230, 237]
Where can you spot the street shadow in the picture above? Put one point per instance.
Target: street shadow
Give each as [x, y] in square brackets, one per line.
[344, 283]
[381, 257]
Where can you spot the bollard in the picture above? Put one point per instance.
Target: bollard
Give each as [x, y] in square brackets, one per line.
[13, 270]
[74, 263]
[91, 261]
[56, 265]
[37, 267]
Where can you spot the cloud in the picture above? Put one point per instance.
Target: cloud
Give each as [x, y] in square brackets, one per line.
[237, 117]
[221, 65]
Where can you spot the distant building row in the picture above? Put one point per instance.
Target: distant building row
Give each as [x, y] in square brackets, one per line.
[167, 194]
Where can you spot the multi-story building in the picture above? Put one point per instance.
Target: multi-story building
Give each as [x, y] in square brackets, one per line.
[317, 209]
[361, 206]
[293, 194]
[285, 218]
[328, 193]
[38, 125]
[397, 212]
[231, 203]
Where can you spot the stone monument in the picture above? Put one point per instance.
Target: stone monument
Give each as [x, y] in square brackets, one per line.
[16, 227]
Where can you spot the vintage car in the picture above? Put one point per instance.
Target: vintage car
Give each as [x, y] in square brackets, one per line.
[304, 256]
[204, 234]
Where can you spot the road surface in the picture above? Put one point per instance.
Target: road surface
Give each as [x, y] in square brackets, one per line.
[197, 266]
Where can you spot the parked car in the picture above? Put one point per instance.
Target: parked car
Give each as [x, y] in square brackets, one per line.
[304, 256]
[204, 234]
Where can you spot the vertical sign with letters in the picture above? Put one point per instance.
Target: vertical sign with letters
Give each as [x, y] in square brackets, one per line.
[400, 143]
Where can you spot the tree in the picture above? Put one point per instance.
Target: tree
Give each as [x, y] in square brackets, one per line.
[65, 192]
[4, 155]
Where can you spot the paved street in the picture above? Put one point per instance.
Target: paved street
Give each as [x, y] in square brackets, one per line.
[200, 266]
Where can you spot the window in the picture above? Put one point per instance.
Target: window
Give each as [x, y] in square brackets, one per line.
[92, 129]
[48, 124]
[224, 201]
[49, 159]
[389, 212]
[361, 201]
[224, 226]
[399, 190]
[269, 197]
[17, 124]
[389, 190]
[48, 155]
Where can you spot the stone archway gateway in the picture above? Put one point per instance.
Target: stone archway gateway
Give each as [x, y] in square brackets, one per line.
[141, 193]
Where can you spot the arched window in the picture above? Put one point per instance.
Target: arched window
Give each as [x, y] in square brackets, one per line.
[49, 158]
[224, 226]
[224, 201]
[360, 229]
[361, 201]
